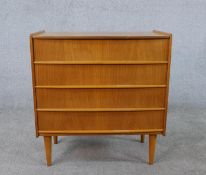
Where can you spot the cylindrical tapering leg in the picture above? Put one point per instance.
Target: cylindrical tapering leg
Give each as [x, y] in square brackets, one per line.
[48, 149]
[142, 138]
[152, 143]
[55, 139]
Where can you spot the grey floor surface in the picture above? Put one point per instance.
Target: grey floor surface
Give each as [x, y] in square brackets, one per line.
[182, 151]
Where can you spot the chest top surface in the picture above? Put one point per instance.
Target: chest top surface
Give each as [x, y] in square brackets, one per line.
[102, 35]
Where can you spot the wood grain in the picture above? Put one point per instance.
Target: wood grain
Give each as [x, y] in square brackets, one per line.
[100, 83]
[100, 98]
[98, 132]
[102, 35]
[97, 109]
[101, 74]
[168, 80]
[55, 138]
[152, 144]
[142, 138]
[100, 50]
[48, 149]
[100, 62]
[33, 76]
[100, 120]
[99, 86]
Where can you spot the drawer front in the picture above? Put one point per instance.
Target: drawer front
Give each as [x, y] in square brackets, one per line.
[101, 74]
[101, 98]
[100, 50]
[57, 121]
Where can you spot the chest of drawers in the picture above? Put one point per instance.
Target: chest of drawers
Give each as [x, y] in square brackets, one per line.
[100, 83]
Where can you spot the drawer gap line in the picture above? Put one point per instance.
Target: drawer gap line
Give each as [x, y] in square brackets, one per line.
[98, 109]
[105, 62]
[99, 87]
[100, 131]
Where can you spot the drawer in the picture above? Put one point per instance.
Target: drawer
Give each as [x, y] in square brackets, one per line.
[100, 74]
[101, 98]
[57, 121]
[100, 50]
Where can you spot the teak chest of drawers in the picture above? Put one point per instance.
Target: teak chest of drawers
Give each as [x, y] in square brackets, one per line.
[100, 83]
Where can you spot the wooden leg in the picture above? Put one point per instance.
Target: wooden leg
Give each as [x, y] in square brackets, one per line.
[142, 138]
[48, 149]
[55, 139]
[152, 143]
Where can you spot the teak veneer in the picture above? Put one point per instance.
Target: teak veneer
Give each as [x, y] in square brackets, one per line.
[100, 83]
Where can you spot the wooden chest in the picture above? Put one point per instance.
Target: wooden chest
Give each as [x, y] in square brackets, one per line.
[100, 83]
